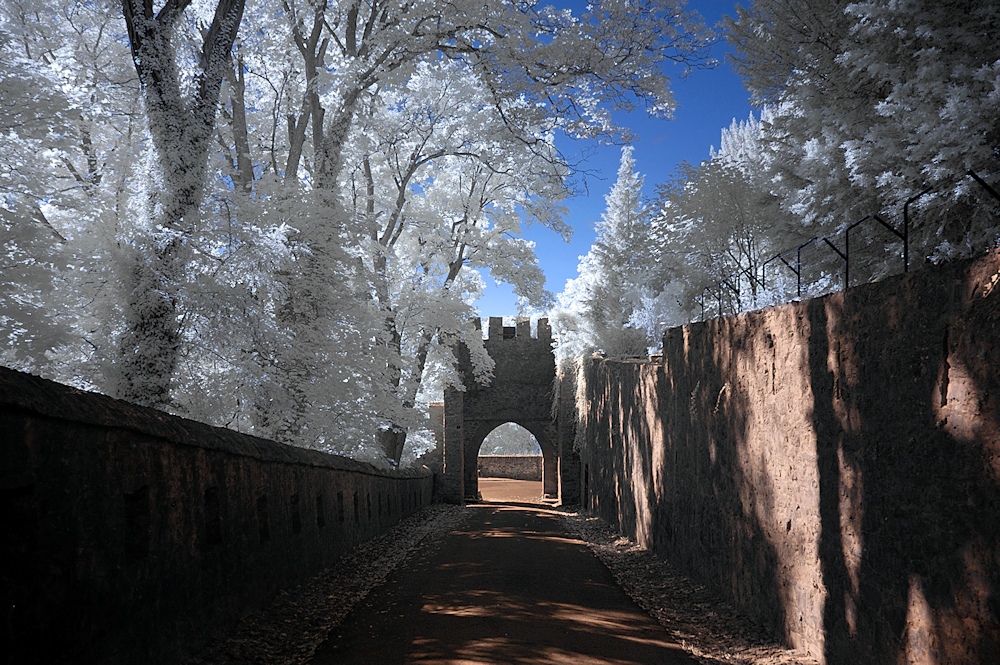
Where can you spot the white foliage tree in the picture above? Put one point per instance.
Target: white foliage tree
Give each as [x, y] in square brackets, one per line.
[875, 102]
[864, 106]
[541, 69]
[600, 308]
[34, 253]
[716, 226]
[442, 187]
[67, 113]
[187, 235]
[180, 100]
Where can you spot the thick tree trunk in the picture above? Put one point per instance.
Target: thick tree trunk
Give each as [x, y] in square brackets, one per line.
[392, 441]
[181, 130]
[149, 348]
[310, 314]
[241, 140]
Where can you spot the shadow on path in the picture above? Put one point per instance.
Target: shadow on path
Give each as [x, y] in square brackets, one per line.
[508, 586]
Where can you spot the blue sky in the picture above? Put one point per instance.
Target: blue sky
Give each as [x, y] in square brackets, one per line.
[707, 100]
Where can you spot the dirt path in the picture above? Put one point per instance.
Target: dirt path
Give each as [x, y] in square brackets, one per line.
[510, 491]
[511, 585]
[474, 616]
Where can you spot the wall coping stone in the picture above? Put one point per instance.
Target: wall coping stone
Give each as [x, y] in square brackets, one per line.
[32, 394]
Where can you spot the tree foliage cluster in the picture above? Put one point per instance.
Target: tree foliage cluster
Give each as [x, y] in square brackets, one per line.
[510, 439]
[871, 108]
[274, 215]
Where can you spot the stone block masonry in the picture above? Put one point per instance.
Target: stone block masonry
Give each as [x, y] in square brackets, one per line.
[132, 536]
[831, 467]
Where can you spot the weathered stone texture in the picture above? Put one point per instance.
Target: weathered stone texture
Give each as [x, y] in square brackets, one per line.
[517, 467]
[831, 466]
[450, 483]
[132, 536]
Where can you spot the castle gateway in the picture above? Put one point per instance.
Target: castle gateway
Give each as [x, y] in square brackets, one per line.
[521, 392]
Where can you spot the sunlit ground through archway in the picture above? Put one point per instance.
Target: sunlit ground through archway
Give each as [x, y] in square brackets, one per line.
[510, 466]
[508, 490]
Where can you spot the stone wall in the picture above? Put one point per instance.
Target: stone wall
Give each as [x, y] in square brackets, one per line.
[832, 467]
[133, 536]
[518, 467]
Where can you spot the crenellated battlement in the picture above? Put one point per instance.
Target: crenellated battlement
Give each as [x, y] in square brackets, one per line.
[521, 330]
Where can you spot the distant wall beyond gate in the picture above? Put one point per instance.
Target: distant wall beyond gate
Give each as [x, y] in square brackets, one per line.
[132, 536]
[517, 467]
[831, 466]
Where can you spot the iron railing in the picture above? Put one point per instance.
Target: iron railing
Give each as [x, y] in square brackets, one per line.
[733, 282]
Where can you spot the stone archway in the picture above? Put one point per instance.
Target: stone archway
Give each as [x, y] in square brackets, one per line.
[521, 393]
[482, 429]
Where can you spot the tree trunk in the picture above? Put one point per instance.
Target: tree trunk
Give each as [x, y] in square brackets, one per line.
[244, 166]
[150, 346]
[392, 441]
[181, 130]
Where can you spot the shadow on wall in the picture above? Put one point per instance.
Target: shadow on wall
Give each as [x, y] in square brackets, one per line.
[831, 467]
[133, 536]
[905, 415]
[668, 473]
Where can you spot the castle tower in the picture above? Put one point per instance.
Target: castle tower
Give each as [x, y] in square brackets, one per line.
[520, 392]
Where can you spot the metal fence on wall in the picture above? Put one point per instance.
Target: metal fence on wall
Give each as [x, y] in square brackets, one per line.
[825, 256]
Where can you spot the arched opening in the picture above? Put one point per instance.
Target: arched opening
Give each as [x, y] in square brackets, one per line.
[509, 465]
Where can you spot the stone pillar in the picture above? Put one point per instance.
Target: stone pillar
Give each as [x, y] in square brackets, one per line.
[433, 458]
[569, 475]
[452, 486]
[472, 446]
[550, 474]
[544, 331]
